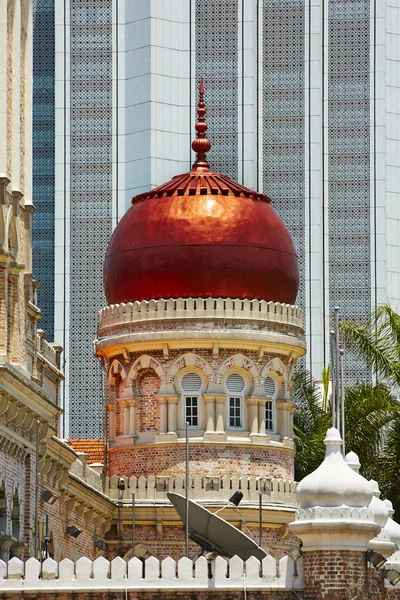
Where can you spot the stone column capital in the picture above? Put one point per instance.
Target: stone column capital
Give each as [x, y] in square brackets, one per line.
[171, 399]
[220, 399]
[256, 400]
[111, 406]
[208, 398]
[129, 401]
[285, 405]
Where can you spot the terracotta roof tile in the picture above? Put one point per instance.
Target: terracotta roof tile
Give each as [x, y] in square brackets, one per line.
[94, 448]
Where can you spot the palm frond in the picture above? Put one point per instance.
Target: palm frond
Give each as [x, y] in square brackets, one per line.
[377, 345]
[369, 410]
[310, 424]
[326, 377]
[385, 467]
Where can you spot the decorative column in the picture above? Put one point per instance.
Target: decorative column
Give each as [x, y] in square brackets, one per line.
[111, 421]
[172, 414]
[5, 546]
[168, 419]
[133, 417]
[13, 314]
[284, 417]
[215, 408]
[163, 414]
[252, 411]
[256, 412]
[130, 416]
[210, 411]
[127, 410]
[261, 416]
[220, 408]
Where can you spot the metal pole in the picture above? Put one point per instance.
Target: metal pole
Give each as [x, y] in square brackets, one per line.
[342, 398]
[37, 489]
[133, 523]
[187, 494]
[260, 518]
[338, 402]
[333, 395]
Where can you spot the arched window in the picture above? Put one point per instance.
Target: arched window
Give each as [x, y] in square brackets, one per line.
[269, 389]
[15, 517]
[235, 385]
[3, 511]
[191, 386]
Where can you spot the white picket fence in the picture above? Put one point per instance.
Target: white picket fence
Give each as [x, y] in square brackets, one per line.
[152, 574]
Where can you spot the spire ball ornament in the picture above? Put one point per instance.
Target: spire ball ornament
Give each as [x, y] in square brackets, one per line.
[201, 145]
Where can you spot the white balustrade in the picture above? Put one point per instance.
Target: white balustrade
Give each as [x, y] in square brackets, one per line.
[199, 308]
[155, 489]
[119, 575]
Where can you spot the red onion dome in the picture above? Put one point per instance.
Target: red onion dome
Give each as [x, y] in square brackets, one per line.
[201, 235]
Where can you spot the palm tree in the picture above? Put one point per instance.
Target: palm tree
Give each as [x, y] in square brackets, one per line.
[387, 467]
[310, 424]
[370, 410]
[377, 343]
[372, 428]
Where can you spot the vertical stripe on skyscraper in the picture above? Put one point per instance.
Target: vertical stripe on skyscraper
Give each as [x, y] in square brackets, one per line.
[43, 157]
[349, 166]
[90, 200]
[217, 62]
[284, 115]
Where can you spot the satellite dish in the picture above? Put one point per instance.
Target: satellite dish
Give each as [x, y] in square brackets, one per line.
[213, 533]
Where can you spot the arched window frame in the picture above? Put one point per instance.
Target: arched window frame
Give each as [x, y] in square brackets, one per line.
[16, 515]
[184, 396]
[234, 401]
[248, 386]
[270, 405]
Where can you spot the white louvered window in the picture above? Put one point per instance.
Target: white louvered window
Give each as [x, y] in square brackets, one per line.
[191, 385]
[269, 388]
[235, 385]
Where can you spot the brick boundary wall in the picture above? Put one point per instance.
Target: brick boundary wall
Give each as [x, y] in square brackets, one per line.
[343, 575]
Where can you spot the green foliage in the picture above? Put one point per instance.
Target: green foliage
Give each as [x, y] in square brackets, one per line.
[378, 343]
[372, 431]
[326, 377]
[310, 425]
[369, 410]
[387, 466]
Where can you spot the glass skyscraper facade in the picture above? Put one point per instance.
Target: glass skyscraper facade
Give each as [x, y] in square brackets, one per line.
[301, 100]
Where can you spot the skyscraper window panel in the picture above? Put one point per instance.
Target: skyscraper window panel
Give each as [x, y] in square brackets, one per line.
[216, 24]
[43, 115]
[90, 176]
[283, 116]
[349, 165]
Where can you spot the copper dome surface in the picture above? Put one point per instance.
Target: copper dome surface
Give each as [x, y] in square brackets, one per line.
[201, 235]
